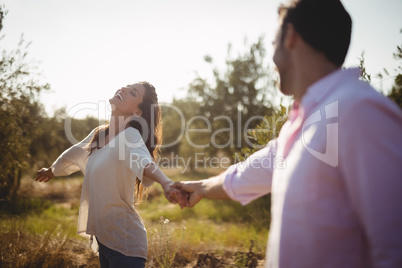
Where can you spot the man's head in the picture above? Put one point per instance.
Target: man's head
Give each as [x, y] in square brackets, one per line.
[325, 25]
[312, 40]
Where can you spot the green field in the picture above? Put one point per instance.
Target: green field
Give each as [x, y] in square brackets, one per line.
[39, 230]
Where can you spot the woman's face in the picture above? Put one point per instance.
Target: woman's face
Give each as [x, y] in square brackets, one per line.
[126, 101]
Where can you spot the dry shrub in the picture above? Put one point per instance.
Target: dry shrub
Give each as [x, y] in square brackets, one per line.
[20, 249]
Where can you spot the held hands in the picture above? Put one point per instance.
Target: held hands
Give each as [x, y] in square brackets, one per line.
[193, 189]
[175, 195]
[181, 197]
[185, 193]
[44, 174]
[211, 188]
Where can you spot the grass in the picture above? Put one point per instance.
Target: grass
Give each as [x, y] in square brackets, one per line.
[46, 216]
[212, 225]
[22, 249]
[36, 233]
[165, 242]
[50, 219]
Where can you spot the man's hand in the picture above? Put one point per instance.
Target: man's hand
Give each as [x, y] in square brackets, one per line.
[44, 174]
[211, 188]
[181, 197]
[175, 195]
[194, 190]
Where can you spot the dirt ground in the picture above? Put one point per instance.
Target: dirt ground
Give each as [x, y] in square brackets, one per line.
[66, 193]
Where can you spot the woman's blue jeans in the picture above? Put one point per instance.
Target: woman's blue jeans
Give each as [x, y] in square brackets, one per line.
[110, 258]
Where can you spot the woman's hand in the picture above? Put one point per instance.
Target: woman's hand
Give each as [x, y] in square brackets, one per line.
[167, 188]
[172, 194]
[44, 174]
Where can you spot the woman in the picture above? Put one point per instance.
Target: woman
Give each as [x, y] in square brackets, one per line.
[116, 159]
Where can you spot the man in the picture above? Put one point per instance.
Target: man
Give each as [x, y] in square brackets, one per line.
[337, 193]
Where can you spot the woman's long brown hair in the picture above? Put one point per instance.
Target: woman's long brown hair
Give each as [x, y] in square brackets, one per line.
[151, 113]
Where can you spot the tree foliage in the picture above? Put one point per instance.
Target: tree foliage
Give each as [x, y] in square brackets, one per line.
[364, 76]
[28, 137]
[184, 131]
[20, 111]
[242, 92]
[50, 139]
[396, 91]
[175, 117]
[266, 131]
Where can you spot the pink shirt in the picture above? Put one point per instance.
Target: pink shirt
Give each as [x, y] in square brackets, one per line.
[335, 173]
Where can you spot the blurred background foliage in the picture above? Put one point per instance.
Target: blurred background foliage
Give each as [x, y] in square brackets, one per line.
[245, 89]
[212, 120]
[20, 111]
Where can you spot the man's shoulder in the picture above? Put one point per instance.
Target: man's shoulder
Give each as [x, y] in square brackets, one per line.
[355, 94]
[355, 90]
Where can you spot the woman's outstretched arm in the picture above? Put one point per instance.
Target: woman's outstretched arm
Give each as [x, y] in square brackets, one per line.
[153, 172]
[71, 160]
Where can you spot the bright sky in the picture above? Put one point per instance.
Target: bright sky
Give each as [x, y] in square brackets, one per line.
[88, 49]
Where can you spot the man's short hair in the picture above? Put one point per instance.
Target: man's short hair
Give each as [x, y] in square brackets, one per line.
[323, 24]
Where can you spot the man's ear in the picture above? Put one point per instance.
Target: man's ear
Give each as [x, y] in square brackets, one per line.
[290, 37]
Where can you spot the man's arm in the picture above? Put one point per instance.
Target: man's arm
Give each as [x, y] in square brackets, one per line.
[371, 164]
[242, 182]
